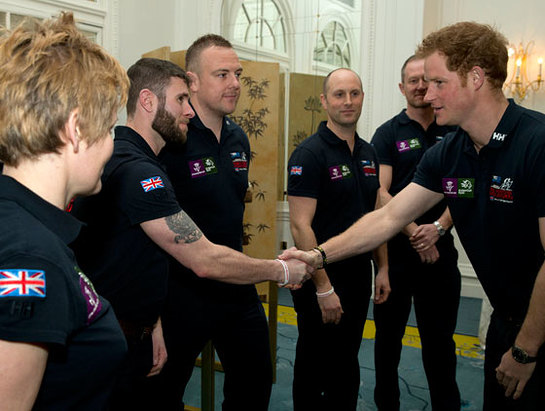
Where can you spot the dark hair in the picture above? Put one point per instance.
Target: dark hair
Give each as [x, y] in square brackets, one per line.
[194, 51]
[154, 75]
[469, 44]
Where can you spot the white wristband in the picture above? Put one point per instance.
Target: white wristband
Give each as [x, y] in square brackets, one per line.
[286, 273]
[326, 293]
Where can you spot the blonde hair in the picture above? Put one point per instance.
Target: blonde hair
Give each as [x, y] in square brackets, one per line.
[47, 70]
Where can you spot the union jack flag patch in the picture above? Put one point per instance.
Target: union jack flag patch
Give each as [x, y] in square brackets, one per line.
[296, 171]
[22, 283]
[152, 183]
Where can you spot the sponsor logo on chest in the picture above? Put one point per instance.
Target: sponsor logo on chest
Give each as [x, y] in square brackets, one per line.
[240, 162]
[408, 145]
[459, 187]
[501, 190]
[202, 167]
[369, 168]
[339, 172]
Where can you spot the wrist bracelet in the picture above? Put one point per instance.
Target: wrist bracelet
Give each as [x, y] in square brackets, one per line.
[322, 253]
[286, 273]
[325, 293]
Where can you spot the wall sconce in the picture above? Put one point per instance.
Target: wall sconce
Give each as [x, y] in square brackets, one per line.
[519, 85]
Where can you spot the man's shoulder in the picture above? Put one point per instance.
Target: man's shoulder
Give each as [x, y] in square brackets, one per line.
[389, 127]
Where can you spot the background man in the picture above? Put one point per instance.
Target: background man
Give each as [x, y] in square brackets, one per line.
[427, 275]
[333, 180]
[491, 172]
[136, 218]
[202, 309]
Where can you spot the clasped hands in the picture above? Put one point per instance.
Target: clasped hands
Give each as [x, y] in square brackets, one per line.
[423, 241]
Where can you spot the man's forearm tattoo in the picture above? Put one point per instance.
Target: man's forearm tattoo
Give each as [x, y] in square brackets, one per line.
[185, 230]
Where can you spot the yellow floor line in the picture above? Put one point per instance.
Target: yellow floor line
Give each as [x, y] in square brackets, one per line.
[466, 345]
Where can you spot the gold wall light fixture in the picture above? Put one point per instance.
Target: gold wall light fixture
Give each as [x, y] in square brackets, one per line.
[518, 86]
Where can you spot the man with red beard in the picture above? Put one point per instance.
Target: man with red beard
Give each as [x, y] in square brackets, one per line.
[426, 274]
[136, 218]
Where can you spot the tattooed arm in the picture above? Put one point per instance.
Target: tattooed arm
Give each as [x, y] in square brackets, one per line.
[181, 238]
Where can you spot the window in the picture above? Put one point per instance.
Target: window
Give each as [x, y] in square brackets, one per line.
[332, 46]
[260, 23]
[12, 20]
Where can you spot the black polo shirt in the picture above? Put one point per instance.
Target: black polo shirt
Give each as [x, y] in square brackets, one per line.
[127, 267]
[400, 143]
[45, 298]
[344, 184]
[210, 179]
[495, 198]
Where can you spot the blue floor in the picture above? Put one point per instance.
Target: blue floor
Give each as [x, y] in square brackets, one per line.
[413, 385]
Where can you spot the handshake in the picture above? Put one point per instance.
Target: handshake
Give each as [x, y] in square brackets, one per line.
[300, 265]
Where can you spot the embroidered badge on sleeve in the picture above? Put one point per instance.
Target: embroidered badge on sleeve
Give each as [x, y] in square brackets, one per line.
[152, 183]
[21, 282]
[296, 170]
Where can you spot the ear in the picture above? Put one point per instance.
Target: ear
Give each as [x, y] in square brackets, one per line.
[147, 100]
[71, 135]
[476, 77]
[323, 99]
[193, 81]
[401, 88]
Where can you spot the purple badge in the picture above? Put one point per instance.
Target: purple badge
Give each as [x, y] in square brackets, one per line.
[335, 172]
[91, 297]
[196, 168]
[450, 187]
[402, 146]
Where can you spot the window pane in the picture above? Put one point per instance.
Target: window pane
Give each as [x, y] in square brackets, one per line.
[332, 46]
[260, 23]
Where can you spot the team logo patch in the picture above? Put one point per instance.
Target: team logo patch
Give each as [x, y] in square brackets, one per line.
[202, 167]
[90, 296]
[296, 171]
[408, 145]
[339, 172]
[152, 183]
[369, 168]
[459, 187]
[240, 162]
[501, 190]
[22, 283]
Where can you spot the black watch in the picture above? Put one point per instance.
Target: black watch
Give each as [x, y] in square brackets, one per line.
[521, 356]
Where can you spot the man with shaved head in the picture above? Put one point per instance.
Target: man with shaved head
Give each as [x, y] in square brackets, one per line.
[333, 181]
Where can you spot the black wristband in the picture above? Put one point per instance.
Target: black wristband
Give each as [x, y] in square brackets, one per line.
[322, 253]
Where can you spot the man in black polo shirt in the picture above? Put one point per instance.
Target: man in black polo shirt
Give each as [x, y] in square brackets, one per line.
[491, 173]
[333, 181]
[210, 178]
[426, 275]
[136, 219]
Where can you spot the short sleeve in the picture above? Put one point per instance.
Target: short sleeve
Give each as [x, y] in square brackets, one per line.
[36, 303]
[428, 171]
[143, 192]
[382, 141]
[303, 174]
